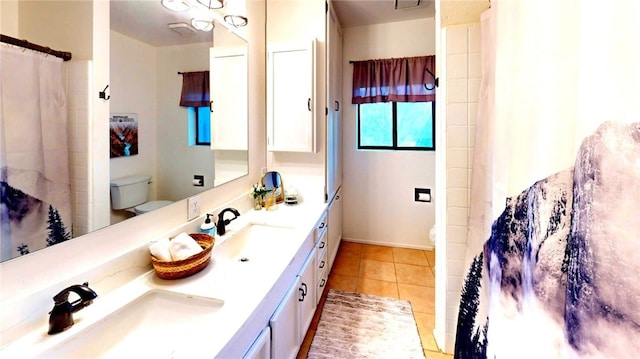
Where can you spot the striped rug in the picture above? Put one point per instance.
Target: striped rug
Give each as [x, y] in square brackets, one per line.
[354, 325]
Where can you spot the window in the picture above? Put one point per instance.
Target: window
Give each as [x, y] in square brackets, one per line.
[199, 126]
[405, 126]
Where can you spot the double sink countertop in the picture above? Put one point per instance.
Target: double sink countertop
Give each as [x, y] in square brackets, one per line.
[192, 317]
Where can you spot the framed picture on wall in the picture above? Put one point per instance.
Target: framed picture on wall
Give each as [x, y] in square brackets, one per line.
[123, 128]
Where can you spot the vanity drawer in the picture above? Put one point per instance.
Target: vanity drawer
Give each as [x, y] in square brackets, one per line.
[322, 255]
[321, 226]
[322, 283]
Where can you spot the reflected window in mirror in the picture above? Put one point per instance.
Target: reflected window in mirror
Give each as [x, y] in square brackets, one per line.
[199, 126]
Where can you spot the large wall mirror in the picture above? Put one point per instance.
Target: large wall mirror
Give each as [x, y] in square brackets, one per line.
[151, 50]
[147, 54]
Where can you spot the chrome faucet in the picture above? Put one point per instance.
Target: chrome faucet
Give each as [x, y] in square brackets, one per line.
[61, 318]
[223, 222]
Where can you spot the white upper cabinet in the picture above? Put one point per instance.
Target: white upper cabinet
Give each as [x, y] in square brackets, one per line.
[291, 119]
[229, 116]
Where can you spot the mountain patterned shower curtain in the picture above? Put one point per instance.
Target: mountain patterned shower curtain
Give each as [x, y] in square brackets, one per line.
[553, 242]
[35, 208]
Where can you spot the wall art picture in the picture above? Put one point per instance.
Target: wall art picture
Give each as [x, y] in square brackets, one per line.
[123, 134]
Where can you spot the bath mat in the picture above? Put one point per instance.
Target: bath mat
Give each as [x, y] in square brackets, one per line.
[354, 325]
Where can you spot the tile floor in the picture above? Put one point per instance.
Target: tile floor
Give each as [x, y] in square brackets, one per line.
[401, 273]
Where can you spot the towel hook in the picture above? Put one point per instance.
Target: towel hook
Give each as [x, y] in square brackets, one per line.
[103, 94]
[435, 80]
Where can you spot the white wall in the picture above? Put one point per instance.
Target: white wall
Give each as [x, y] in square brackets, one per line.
[379, 185]
[296, 20]
[460, 47]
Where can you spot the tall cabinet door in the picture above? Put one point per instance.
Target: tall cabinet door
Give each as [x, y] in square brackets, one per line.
[334, 103]
[290, 96]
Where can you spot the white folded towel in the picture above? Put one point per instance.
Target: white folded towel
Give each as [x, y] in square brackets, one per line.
[160, 249]
[183, 246]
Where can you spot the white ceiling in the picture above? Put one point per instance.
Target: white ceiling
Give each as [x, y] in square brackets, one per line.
[368, 12]
[146, 20]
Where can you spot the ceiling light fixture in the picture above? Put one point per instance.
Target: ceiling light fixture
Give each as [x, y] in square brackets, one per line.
[211, 4]
[236, 13]
[176, 5]
[202, 24]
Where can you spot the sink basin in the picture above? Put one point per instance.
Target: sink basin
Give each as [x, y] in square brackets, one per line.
[158, 324]
[255, 242]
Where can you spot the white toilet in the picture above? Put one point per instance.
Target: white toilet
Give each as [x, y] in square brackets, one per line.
[131, 194]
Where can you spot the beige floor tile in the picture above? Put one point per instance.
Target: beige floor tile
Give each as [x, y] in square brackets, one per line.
[378, 253]
[350, 248]
[416, 275]
[346, 265]
[437, 355]
[373, 269]
[377, 287]
[422, 298]
[342, 282]
[410, 256]
[426, 321]
[431, 258]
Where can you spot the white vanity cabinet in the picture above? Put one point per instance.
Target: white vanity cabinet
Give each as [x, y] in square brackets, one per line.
[291, 320]
[261, 348]
[335, 225]
[322, 261]
[290, 96]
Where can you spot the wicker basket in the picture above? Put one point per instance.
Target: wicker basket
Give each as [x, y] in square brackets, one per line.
[188, 266]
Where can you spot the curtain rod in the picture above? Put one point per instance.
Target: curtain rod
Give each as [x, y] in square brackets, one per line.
[66, 56]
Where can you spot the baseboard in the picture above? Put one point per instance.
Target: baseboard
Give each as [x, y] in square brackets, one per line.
[388, 244]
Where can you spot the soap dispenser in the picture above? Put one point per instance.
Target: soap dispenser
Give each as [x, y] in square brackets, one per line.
[209, 226]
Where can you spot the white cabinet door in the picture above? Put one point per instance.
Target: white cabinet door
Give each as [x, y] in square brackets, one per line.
[334, 104]
[229, 117]
[290, 97]
[335, 226]
[285, 339]
[261, 348]
[307, 293]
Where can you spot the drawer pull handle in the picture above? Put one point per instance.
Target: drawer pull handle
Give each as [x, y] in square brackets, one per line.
[322, 264]
[303, 292]
[321, 225]
[322, 283]
[322, 245]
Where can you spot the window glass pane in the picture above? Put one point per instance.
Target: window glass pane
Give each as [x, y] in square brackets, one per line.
[376, 124]
[204, 126]
[415, 124]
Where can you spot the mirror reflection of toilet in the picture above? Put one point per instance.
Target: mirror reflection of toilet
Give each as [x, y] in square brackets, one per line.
[132, 193]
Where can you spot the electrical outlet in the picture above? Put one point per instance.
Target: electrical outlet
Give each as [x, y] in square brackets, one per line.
[193, 207]
[263, 171]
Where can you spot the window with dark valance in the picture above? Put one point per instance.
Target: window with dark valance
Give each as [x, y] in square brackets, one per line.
[394, 80]
[195, 89]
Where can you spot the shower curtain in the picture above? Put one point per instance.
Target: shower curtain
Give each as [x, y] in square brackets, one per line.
[553, 241]
[35, 210]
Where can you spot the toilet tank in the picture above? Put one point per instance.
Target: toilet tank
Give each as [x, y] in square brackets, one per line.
[129, 192]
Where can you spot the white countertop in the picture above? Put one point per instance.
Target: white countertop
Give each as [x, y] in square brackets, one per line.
[241, 285]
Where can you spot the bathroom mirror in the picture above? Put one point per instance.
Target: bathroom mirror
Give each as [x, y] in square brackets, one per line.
[151, 47]
[145, 86]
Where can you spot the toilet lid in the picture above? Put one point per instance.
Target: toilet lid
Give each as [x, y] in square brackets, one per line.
[150, 206]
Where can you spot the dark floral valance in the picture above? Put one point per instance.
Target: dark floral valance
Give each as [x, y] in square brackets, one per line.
[395, 79]
[195, 89]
